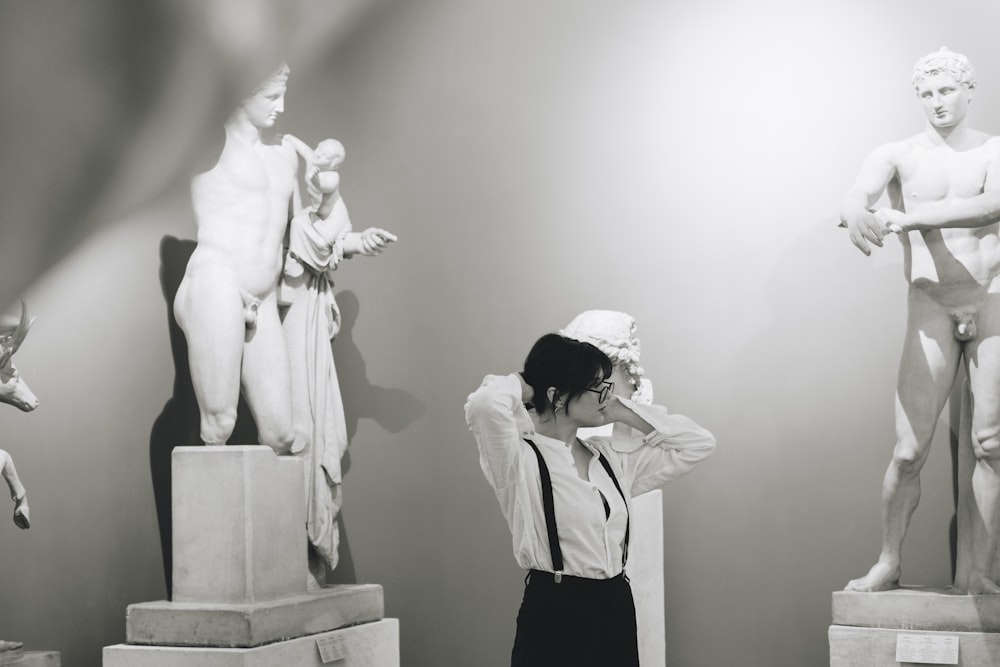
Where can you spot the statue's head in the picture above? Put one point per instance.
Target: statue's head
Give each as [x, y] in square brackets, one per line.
[329, 154]
[944, 61]
[945, 84]
[613, 333]
[263, 105]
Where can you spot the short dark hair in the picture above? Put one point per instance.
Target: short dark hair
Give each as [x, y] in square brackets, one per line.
[569, 365]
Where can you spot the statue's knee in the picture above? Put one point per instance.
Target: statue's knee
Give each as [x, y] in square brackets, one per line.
[988, 441]
[280, 441]
[216, 427]
[907, 458]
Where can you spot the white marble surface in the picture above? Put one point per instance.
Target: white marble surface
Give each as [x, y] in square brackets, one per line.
[368, 645]
[238, 517]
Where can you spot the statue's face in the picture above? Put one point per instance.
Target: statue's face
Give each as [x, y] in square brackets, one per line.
[945, 101]
[263, 107]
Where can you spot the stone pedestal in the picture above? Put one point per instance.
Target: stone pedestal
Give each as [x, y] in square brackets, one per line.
[21, 658]
[240, 577]
[369, 645]
[645, 570]
[238, 515]
[40, 659]
[866, 625]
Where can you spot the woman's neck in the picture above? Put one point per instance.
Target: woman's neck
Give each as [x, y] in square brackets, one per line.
[557, 429]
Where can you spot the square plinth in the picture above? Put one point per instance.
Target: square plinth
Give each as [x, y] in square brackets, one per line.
[876, 647]
[918, 608]
[368, 645]
[21, 658]
[247, 625]
[238, 525]
[11, 657]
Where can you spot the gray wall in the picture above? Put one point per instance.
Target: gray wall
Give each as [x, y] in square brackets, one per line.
[682, 163]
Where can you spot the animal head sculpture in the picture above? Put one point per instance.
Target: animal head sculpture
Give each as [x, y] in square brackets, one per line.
[13, 389]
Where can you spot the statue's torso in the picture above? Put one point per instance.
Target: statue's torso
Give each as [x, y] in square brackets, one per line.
[932, 175]
[242, 207]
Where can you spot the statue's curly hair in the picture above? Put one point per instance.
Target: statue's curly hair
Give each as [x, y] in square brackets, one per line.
[280, 75]
[944, 61]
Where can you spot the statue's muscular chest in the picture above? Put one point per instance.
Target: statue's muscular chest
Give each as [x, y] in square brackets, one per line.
[260, 168]
[929, 174]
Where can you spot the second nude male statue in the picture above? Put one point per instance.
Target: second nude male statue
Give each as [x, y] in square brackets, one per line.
[228, 303]
[952, 267]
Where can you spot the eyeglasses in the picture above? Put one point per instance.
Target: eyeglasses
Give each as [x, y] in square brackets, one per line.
[603, 391]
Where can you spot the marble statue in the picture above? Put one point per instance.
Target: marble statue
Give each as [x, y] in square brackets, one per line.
[613, 333]
[935, 182]
[322, 178]
[13, 389]
[319, 240]
[240, 273]
[226, 303]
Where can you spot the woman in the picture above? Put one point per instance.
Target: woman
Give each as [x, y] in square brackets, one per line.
[567, 500]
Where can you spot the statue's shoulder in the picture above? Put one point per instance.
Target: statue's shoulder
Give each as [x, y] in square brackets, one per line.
[894, 151]
[991, 144]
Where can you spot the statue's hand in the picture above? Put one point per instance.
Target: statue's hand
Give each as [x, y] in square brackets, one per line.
[370, 242]
[864, 228]
[892, 220]
[21, 519]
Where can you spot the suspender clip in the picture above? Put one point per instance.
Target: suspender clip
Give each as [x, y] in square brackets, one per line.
[557, 576]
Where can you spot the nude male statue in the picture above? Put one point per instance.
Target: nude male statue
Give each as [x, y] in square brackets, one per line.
[952, 265]
[227, 302]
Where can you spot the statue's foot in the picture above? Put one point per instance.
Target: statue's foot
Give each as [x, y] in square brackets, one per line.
[978, 584]
[9, 646]
[882, 577]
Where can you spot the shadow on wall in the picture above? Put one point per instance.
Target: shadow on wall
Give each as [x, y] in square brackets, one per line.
[392, 409]
[178, 422]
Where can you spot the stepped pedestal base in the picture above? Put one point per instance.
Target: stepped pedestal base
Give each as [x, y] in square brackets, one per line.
[368, 645]
[22, 658]
[247, 625]
[867, 626]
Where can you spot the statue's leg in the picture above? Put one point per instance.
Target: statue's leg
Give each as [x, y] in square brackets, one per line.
[983, 364]
[209, 311]
[927, 369]
[266, 381]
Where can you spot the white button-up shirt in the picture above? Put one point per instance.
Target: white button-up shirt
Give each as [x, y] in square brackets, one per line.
[591, 540]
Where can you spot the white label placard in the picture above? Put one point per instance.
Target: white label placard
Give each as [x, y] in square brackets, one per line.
[331, 649]
[928, 649]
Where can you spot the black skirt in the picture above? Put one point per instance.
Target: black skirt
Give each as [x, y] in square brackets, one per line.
[579, 622]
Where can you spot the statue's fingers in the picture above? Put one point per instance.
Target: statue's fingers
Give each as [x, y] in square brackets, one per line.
[859, 243]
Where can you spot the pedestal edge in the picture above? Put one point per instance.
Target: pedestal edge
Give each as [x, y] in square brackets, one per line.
[246, 625]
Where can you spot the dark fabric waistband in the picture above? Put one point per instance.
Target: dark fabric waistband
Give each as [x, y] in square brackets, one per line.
[542, 577]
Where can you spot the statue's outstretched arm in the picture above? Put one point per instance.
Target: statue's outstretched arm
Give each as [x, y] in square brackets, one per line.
[876, 172]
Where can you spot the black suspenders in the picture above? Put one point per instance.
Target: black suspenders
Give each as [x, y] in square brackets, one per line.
[549, 509]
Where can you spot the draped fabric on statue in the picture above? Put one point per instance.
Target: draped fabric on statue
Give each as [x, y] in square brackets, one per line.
[310, 323]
